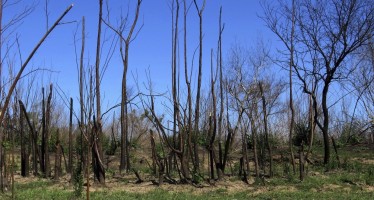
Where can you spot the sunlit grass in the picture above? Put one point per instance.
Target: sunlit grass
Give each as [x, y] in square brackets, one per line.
[353, 179]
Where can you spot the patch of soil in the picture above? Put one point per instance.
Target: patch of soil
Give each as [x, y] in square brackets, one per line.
[368, 188]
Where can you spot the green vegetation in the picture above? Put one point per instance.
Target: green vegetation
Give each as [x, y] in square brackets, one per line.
[354, 179]
[334, 187]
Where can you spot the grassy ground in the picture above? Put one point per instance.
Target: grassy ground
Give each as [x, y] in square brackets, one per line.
[353, 179]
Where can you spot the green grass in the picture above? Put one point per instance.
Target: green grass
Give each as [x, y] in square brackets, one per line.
[353, 179]
[333, 186]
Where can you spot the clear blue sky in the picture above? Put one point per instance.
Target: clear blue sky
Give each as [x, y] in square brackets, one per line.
[152, 48]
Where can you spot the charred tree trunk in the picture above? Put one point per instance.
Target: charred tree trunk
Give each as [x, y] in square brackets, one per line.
[197, 109]
[97, 163]
[211, 163]
[97, 152]
[70, 160]
[47, 131]
[58, 158]
[44, 142]
[325, 126]
[24, 153]
[34, 135]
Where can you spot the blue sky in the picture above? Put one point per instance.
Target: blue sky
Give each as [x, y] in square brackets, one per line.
[151, 49]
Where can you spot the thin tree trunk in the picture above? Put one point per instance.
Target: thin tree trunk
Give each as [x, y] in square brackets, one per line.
[312, 128]
[292, 123]
[252, 116]
[189, 132]
[245, 161]
[35, 150]
[24, 159]
[268, 145]
[70, 165]
[213, 121]
[174, 76]
[12, 167]
[325, 127]
[97, 146]
[81, 98]
[125, 150]
[57, 158]
[44, 142]
[197, 109]
[220, 117]
[47, 131]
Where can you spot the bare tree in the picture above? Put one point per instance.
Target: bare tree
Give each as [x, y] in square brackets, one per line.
[292, 122]
[327, 33]
[97, 151]
[58, 152]
[189, 130]
[24, 153]
[125, 40]
[16, 79]
[70, 159]
[197, 108]
[265, 118]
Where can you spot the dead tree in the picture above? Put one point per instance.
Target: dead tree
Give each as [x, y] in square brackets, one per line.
[253, 118]
[58, 151]
[46, 122]
[328, 34]
[24, 145]
[34, 135]
[44, 147]
[175, 78]
[97, 152]
[197, 108]
[265, 118]
[97, 163]
[70, 159]
[189, 131]
[213, 126]
[12, 87]
[292, 122]
[126, 41]
[125, 150]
